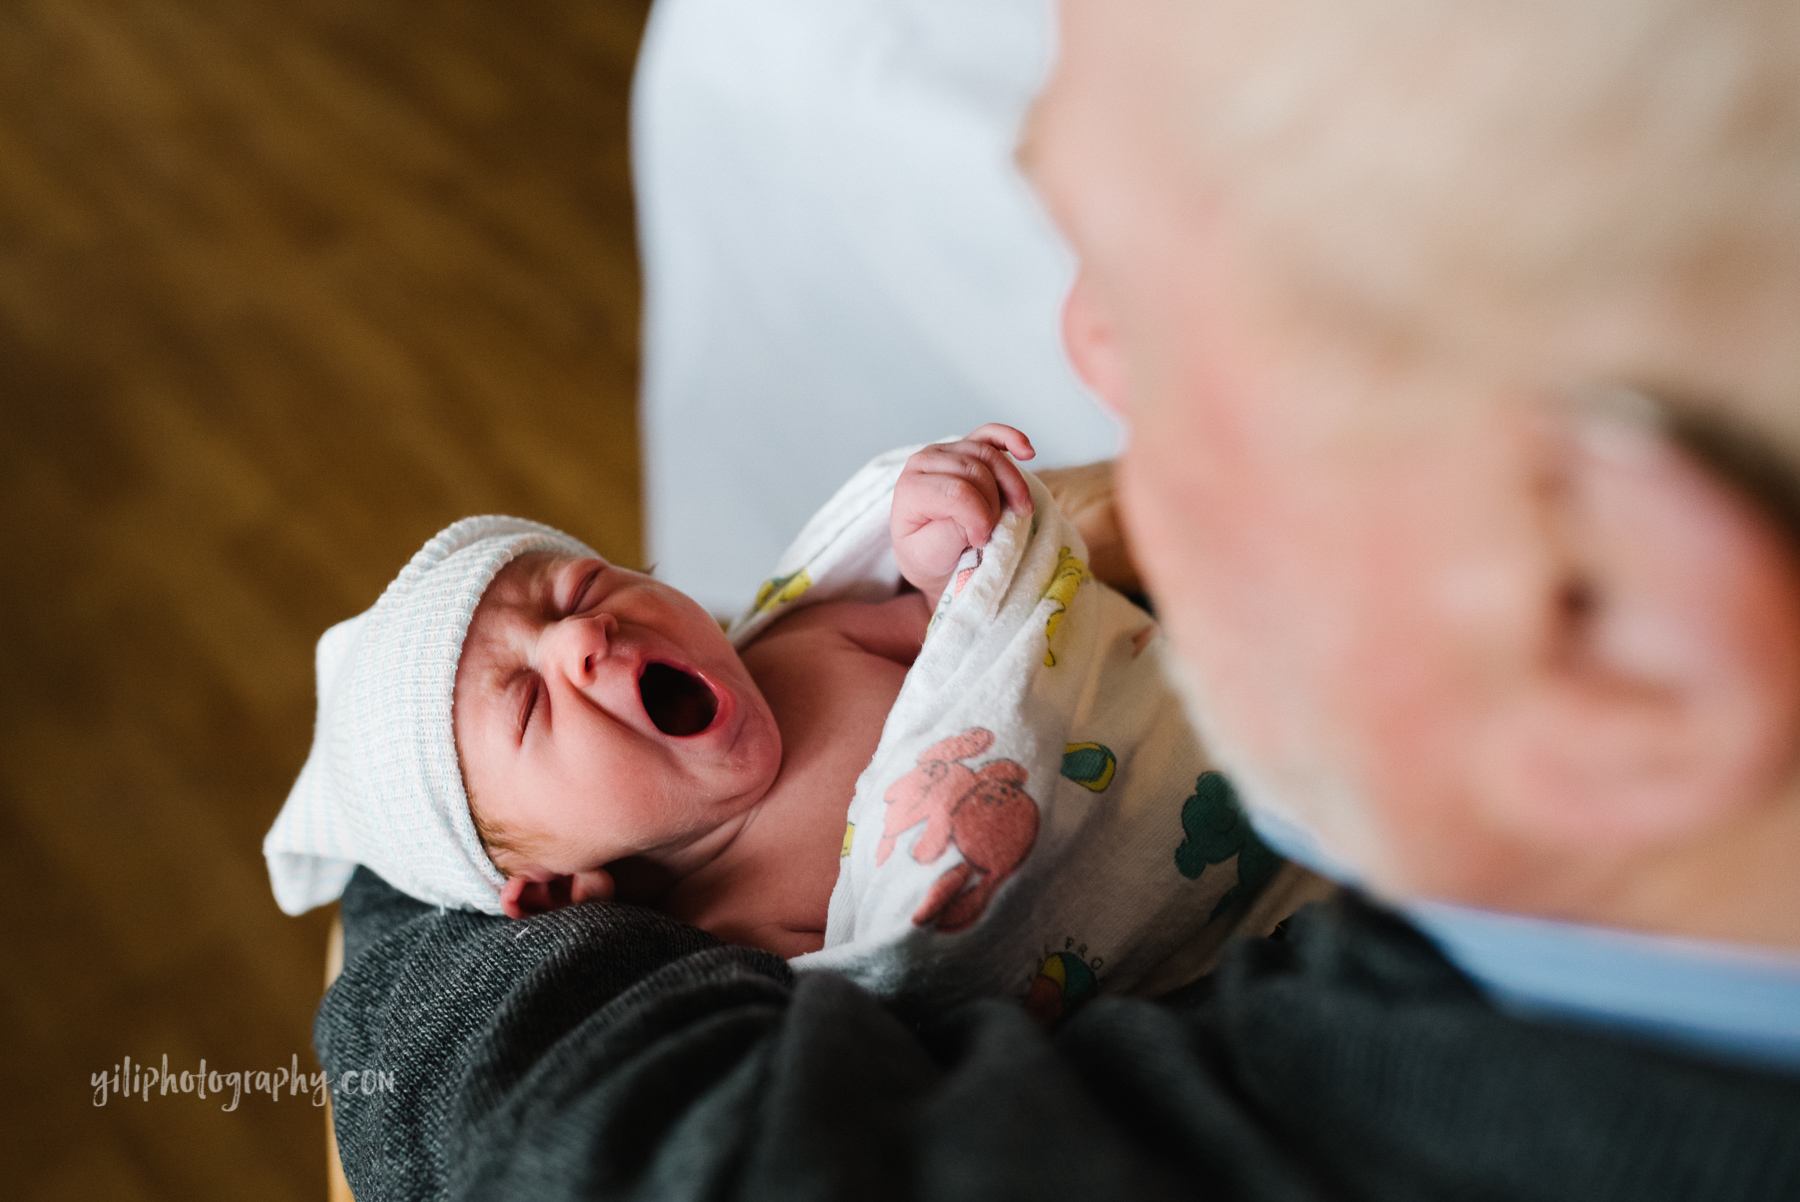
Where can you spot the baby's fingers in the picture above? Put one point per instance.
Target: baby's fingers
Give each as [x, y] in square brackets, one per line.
[984, 452]
[1013, 489]
[999, 434]
[974, 510]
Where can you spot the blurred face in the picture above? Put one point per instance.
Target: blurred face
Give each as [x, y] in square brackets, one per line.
[1347, 557]
[601, 714]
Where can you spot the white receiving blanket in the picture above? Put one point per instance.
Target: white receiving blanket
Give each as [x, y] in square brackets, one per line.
[1038, 820]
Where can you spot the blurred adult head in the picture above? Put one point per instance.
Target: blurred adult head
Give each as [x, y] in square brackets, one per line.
[1460, 346]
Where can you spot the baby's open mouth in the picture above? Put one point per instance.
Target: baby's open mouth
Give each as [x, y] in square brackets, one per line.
[680, 703]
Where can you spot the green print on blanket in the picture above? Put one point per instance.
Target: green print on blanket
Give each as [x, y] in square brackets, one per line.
[1216, 830]
[1090, 765]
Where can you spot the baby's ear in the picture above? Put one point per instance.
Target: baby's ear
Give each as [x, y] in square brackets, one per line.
[537, 891]
[596, 884]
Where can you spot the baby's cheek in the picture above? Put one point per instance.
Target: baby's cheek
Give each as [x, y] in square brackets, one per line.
[757, 758]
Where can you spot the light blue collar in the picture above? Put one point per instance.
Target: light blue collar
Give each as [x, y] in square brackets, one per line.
[1737, 1002]
[1734, 1002]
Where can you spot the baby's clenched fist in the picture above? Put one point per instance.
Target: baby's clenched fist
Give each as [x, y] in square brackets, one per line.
[950, 496]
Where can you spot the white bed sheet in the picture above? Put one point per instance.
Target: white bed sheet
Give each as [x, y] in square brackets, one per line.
[840, 256]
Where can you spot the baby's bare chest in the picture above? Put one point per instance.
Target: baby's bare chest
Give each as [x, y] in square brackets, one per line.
[830, 676]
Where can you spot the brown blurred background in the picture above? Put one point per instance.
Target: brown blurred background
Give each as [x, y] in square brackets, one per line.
[284, 288]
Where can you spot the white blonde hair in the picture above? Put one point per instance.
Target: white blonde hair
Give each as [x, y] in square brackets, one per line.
[1419, 162]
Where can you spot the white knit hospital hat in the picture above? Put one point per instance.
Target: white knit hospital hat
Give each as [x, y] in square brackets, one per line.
[381, 786]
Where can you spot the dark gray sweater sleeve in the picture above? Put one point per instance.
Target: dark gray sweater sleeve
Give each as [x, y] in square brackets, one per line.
[609, 1052]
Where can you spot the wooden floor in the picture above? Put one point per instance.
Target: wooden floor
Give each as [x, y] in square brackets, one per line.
[284, 288]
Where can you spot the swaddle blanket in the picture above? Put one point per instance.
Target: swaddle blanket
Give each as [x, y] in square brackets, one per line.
[1038, 820]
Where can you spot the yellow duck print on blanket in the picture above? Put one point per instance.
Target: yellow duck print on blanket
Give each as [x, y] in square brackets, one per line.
[781, 589]
[1070, 574]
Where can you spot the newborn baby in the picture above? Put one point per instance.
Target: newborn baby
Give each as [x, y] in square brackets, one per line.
[613, 742]
[935, 755]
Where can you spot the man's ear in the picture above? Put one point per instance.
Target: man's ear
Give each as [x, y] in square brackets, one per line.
[1665, 704]
[1093, 346]
[535, 890]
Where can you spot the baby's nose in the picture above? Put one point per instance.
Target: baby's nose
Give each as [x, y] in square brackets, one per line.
[583, 643]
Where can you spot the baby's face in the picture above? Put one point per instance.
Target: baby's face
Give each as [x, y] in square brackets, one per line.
[601, 714]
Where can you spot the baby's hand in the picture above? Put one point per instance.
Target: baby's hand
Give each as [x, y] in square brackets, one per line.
[950, 497]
